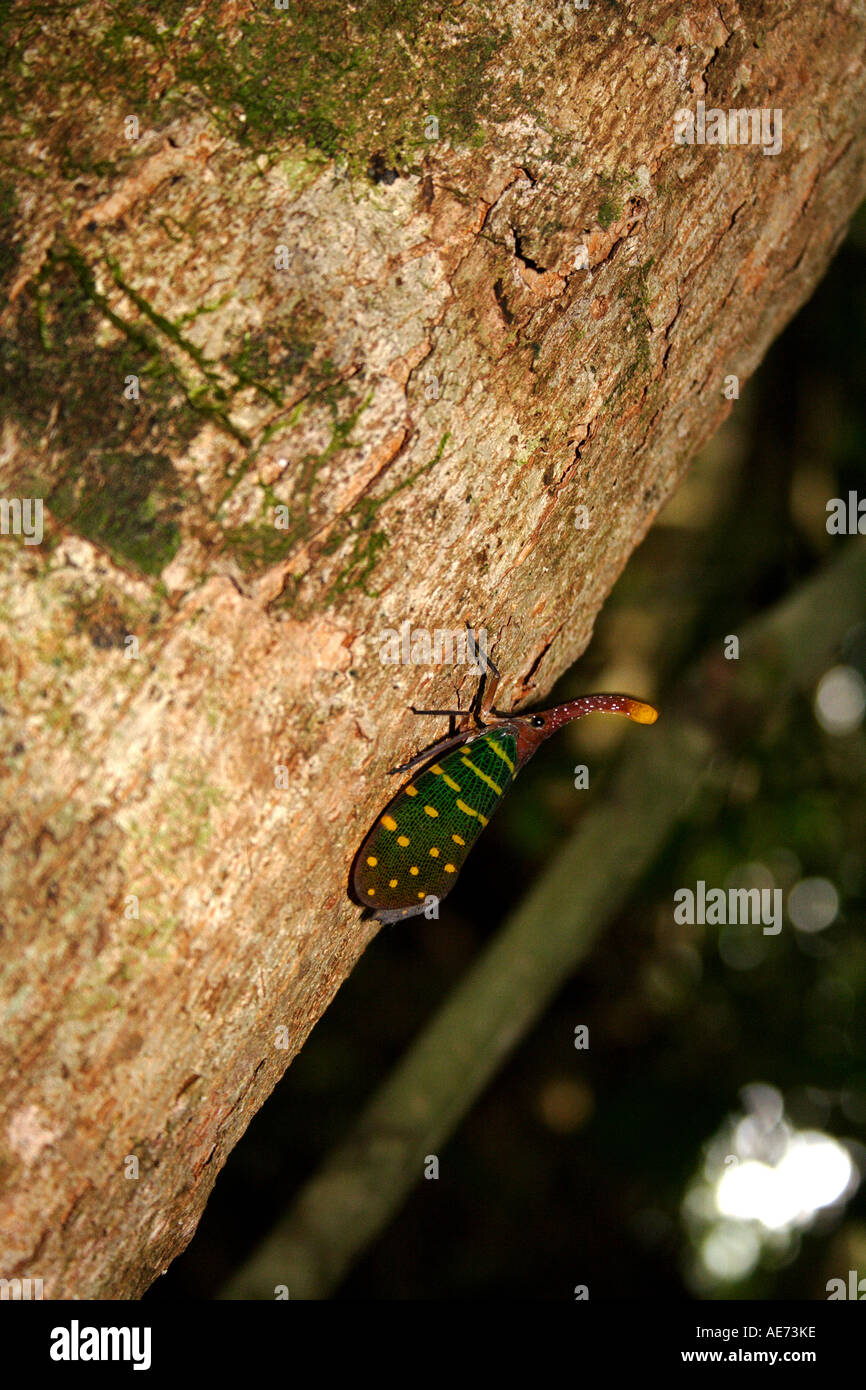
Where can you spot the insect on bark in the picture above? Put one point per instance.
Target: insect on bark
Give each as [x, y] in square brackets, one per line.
[419, 842]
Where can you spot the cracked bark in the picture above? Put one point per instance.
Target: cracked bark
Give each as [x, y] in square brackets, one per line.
[432, 387]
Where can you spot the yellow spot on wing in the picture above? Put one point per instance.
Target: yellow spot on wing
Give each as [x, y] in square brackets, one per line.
[458, 839]
[393, 883]
[389, 822]
[411, 791]
[435, 853]
[467, 762]
[372, 861]
[500, 753]
[370, 892]
[450, 869]
[403, 840]
[422, 895]
[449, 781]
[468, 811]
[431, 810]
[415, 870]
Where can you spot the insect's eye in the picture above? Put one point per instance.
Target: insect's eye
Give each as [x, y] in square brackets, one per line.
[537, 721]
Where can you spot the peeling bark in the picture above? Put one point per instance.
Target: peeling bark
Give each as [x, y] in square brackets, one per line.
[473, 337]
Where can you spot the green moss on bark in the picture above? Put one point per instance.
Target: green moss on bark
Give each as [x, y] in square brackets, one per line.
[357, 82]
[101, 462]
[9, 253]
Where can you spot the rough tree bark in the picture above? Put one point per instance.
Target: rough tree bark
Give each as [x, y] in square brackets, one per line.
[430, 281]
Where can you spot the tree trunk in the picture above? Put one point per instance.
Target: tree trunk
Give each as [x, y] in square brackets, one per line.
[317, 324]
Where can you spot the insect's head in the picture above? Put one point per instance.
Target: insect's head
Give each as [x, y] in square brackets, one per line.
[539, 726]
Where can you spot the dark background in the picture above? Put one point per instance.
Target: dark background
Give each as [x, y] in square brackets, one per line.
[575, 1166]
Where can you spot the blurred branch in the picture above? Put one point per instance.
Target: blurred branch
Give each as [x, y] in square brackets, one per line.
[358, 1189]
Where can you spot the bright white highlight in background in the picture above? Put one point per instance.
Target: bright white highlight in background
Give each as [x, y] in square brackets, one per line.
[813, 1172]
[813, 904]
[730, 1251]
[763, 1182]
[840, 700]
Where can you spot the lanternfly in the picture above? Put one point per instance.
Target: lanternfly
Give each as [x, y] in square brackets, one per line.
[418, 844]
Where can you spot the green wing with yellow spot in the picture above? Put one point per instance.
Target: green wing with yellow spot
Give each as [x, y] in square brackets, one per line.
[418, 844]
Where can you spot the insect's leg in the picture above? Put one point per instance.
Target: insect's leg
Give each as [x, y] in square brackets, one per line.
[453, 716]
[428, 754]
[487, 691]
[449, 740]
[484, 695]
[452, 712]
[477, 703]
[479, 706]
